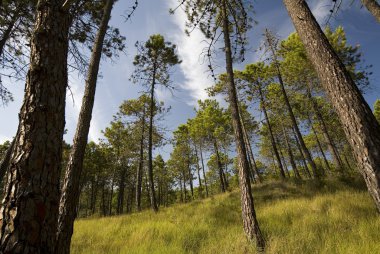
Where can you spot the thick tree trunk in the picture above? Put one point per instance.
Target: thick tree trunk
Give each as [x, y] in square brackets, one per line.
[290, 154]
[220, 169]
[203, 170]
[70, 190]
[141, 165]
[373, 7]
[251, 225]
[330, 143]
[360, 125]
[273, 142]
[30, 204]
[152, 194]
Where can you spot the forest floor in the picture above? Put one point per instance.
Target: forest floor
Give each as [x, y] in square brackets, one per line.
[305, 217]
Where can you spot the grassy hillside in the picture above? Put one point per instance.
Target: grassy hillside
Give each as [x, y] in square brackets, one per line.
[307, 217]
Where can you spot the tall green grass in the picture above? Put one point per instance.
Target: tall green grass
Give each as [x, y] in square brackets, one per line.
[304, 217]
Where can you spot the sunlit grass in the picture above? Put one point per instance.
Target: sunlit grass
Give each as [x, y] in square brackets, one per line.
[307, 217]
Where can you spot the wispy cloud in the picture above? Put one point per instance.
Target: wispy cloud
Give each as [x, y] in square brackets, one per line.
[196, 76]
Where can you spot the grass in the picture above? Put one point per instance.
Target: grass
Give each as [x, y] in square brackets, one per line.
[305, 217]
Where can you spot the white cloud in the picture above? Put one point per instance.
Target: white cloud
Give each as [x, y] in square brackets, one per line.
[190, 50]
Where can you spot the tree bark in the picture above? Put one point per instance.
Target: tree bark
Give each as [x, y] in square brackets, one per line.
[152, 194]
[198, 171]
[273, 142]
[190, 174]
[30, 204]
[251, 225]
[70, 189]
[8, 31]
[373, 7]
[359, 124]
[140, 167]
[120, 195]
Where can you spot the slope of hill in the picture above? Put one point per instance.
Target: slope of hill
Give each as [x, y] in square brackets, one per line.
[305, 217]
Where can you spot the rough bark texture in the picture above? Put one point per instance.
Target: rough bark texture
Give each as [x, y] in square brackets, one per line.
[273, 142]
[374, 7]
[30, 204]
[359, 124]
[70, 189]
[251, 225]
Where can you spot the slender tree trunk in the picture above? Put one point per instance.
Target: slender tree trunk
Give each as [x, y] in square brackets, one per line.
[9, 29]
[180, 186]
[222, 183]
[284, 163]
[290, 153]
[190, 174]
[319, 145]
[198, 171]
[273, 142]
[152, 194]
[70, 190]
[104, 206]
[203, 169]
[30, 204]
[360, 125]
[250, 152]
[141, 165]
[373, 7]
[303, 160]
[251, 225]
[4, 164]
[120, 195]
[289, 107]
[184, 184]
[330, 143]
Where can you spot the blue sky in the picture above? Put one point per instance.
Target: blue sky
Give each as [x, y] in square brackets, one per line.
[191, 77]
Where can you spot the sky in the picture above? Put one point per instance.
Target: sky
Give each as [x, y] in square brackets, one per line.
[191, 76]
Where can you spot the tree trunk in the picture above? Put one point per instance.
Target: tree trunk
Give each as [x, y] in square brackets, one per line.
[250, 152]
[141, 165]
[120, 196]
[70, 190]
[4, 164]
[8, 31]
[273, 142]
[360, 125]
[319, 145]
[30, 204]
[251, 225]
[190, 174]
[289, 107]
[303, 160]
[284, 163]
[184, 184]
[330, 143]
[152, 194]
[203, 170]
[104, 206]
[290, 154]
[198, 171]
[373, 7]
[220, 169]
